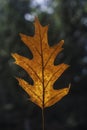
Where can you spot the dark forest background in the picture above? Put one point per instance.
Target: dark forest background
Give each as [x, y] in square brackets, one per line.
[67, 20]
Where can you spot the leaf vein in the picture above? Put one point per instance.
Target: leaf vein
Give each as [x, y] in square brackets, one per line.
[34, 93]
[33, 71]
[50, 56]
[51, 78]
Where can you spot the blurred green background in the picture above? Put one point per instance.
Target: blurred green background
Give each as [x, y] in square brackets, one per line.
[67, 20]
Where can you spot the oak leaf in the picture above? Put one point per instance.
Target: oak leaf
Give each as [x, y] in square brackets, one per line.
[41, 68]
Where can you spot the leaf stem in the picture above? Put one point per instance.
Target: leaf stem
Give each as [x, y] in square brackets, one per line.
[43, 126]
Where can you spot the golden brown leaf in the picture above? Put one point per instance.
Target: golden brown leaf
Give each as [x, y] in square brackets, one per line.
[41, 68]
